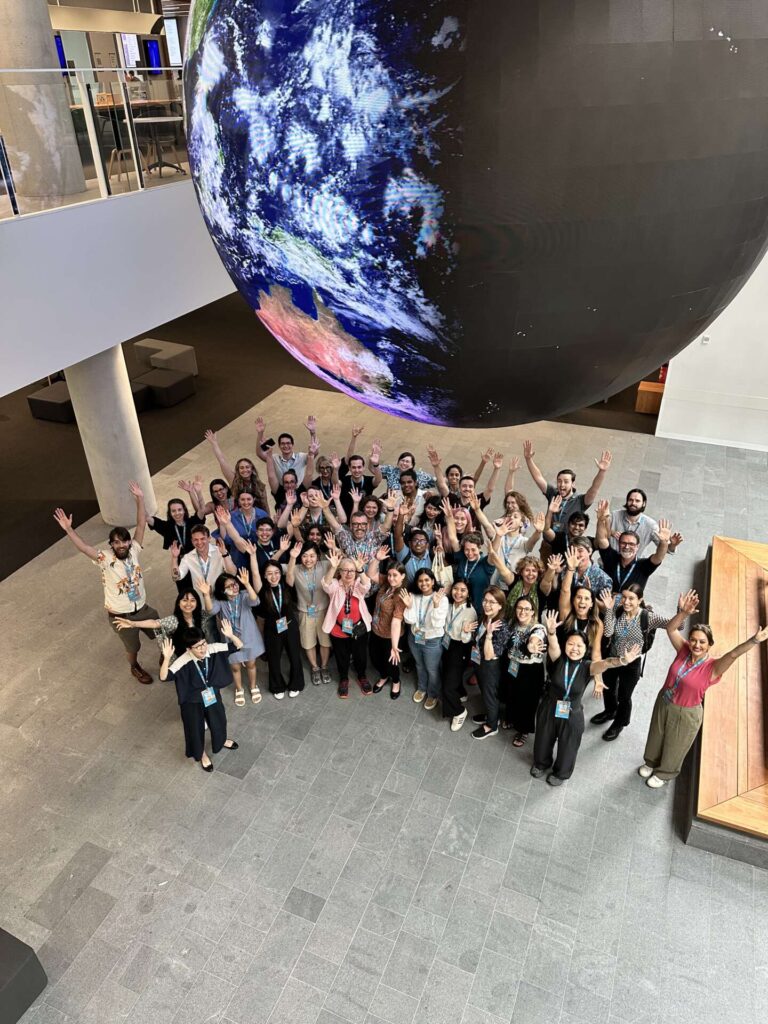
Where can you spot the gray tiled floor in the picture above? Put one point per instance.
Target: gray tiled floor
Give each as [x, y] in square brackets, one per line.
[356, 863]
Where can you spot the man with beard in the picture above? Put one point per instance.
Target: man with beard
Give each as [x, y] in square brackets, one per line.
[122, 579]
[632, 519]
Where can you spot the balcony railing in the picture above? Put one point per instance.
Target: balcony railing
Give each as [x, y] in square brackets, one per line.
[79, 134]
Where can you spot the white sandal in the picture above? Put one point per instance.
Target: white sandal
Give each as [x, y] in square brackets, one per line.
[240, 698]
[255, 695]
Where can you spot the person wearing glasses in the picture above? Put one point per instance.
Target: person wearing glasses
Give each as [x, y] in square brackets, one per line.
[348, 618]
[625, 566]
[200, 674]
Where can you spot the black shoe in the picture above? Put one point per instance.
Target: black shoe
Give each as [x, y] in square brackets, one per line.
[481, 733]
[553, 780]
[613, 732]
[380, 685]
[393, 695]
[207, 767]
[343, 690]
[537, 772]
[604, 716]
[479, 719]
[234, 745]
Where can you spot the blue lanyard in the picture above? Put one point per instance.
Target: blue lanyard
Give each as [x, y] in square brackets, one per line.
[570, 677]
[181, 537]
[203, 674]
[682, 672]
[277, 597]
[622, 581]
[421, 617]
[468, 572]
[454, 616]
[626, 624]
[207, 569]
[248, 527]
[234, 618]
[311, 587]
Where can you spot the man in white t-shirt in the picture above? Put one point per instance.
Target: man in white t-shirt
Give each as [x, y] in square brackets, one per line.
[122, 579]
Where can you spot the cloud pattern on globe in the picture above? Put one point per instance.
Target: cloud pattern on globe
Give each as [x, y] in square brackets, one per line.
[480, 211]
[311, 144]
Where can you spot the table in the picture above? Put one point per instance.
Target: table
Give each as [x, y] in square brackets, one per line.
[160, 163]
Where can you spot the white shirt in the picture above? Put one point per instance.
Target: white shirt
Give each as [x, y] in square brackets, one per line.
[296, 462]
[424, 616]
[122, 579]
[512, 549]
[193, 565]
[456, 619]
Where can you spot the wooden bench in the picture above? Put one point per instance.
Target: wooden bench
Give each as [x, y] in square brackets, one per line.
[732, 790]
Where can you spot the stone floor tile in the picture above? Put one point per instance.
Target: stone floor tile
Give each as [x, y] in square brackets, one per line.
[299, 1003]
[459, 826]
[71, 882]
[508, 936]
[83, 978]
[390, 1005]
[304, 904]
[445, 995]
[495, 986]
[466, 929]
[408, 966]
[205, 1000]
[413, 844]
[315, 971]
[438, 885]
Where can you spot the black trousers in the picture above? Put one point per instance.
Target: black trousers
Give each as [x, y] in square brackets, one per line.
[194, 717]
[455, 661]
[354, 649]
[619, 687]
[488, 675]
[565, 732]
[521, 695]
[379, 648]
[275, 643]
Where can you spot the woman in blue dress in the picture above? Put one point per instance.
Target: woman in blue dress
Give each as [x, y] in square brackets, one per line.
[234, 599]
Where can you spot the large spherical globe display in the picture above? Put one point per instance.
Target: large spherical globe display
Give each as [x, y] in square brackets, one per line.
[481, 212]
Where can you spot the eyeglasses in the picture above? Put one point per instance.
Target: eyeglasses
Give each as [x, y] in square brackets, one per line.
[199, 647]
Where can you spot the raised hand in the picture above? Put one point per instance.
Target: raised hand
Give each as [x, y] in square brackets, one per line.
[664, 531]
[688, 602]
[493, 626]
[357, 431]
[603, 509]
[486, 456]
[226, 628]
[406, 597]
[221, 547]
[474, 502]
[242, 575]
[555, 563]
[376, 448]
[438, 596]
[470, 627]
[210, 436]
[135, 489]
[303, 499]
[250, 547]
[311, 424]
[498, 460]
[64, 521]
[359, 564]
[432, 455]
[556, 504]
[605, 598]
[604, 462]
[334, 460]
[514, 464]
[572, 559]
[761, 635]
[675, 540]
[284, 544]
[296, 550]
[503, 527]
[166, 647]
[205, 587]
[260, 424]
[334, 557]
[175, 549]
[355, 494]
[551, 622]
[539, 521]
[528, 450]
[290, 497]
[330, 540]
[222, 515]
[447, 508]
[296, 519]
[382, 553]
[390, 501]
[336, 493]
[631, 654]
[314, 448]
[185, 485]
[535, 644]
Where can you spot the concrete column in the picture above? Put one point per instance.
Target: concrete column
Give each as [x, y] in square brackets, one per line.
[35, 118]
[109, 427]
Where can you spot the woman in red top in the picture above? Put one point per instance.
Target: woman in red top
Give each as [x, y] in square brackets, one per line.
[678, 711]
[348, 620]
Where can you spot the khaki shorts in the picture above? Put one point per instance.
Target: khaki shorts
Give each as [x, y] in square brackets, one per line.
[311, 630]
[131, 638]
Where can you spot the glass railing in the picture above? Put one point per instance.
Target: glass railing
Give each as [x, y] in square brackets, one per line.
[87, 133]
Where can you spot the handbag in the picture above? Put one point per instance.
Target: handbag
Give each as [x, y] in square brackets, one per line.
[443, 573]
[359, 630]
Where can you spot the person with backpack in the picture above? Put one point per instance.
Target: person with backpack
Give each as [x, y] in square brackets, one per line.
[626, 626]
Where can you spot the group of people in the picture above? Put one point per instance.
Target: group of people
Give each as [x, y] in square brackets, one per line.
[354, 561]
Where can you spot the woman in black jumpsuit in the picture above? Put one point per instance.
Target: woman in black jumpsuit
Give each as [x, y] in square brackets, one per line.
[281, 629]
[560, 717]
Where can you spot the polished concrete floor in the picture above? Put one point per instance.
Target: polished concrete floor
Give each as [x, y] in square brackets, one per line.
[356, 861]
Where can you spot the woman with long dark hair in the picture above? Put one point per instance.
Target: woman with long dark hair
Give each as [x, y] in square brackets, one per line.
[234, 599]
[523, 682]
[460, 625]
[188, 613]
[386, 627]
[425, 612]
[491, 641]
[277, 605]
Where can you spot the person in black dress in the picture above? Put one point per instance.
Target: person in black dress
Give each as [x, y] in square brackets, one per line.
[200, 674]
[281, 627]
[560, 717]
[523, 681]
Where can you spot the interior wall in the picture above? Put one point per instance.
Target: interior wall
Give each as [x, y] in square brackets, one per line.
[717, 388]
[77, 280]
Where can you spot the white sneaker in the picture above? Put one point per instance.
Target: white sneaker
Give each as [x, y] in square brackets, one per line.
[419, 696]
[644, 771]
[293, 693]
[464, 699]
[457, 721]
[279, 696]
[655, 782]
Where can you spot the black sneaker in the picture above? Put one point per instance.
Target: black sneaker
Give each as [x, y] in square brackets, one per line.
[365, 687]
[602, 718]
[481, 733]
[537, 772]
[479, 719]
[613, 732]
[343, 690]
[553, 780]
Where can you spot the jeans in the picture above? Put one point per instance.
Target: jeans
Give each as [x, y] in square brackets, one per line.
[428, 657]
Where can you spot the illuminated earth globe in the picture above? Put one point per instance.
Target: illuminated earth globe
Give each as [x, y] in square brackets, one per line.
[481, 212]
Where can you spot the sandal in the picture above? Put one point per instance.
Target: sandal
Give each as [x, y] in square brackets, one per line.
[240, 698]
[255, 695]
[519, 740]
[506, 725]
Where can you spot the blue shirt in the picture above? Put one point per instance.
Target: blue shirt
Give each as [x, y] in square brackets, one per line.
[411, 563]
[477, 576]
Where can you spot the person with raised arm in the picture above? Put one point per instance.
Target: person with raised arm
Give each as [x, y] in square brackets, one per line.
[278, 607]
[286, 457]
[575, 527]
[200, 674]
[678, 712]
[560, 715]
[508, 544]
[306, 568]
[386, 626]
[624, 565]
[207, 560]
[571, 499]
[122, 578]
[426, 613]
[234, 601]
[178, 524]
[631, 518]
[241, 475]
[348, 620]
[391, 473]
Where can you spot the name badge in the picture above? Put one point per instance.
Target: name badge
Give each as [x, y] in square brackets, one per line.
[475, 656]
[446, 641]
[311, 610]
[209, 696]
[281, 625]
[514, 667]
[419, 638]
[347, 625]
[563, 709]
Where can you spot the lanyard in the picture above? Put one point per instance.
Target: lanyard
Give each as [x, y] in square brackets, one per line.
[421, 615]
[203, 672]
[234, 615]
[204, 571]
[467, 571]
[248, 527]
[311, 587]
[570, 677]
[347, 602]
[181, 537]
[277, 597]
[623, 580]
[682, 672]
[454, 616]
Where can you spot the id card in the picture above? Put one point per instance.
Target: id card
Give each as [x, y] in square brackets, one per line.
[311, 610]
[418, 637]
[209, 696]
[563, 709]
[347, 625]
[475, 656]
[514, 667]
[446, 642]
[281, 625]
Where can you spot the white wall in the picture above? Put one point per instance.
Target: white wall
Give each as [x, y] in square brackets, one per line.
[717, 391]
[77, 280]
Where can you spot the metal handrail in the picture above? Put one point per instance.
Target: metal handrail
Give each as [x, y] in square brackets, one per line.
[63, 71]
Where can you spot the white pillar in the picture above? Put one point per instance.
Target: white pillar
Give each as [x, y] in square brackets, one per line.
[35, 118]
[109, 428]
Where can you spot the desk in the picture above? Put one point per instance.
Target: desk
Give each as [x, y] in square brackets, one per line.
[159, 163]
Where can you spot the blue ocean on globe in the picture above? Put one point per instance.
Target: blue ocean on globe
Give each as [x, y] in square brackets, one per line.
[312, 138]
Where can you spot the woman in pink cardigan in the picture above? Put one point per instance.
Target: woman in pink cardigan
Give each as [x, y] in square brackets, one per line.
[348, 620]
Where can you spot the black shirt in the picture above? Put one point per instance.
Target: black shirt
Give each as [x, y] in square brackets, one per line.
[637, 572]
[556, 685]
[364, 485]
[170, 531]
[213, 671]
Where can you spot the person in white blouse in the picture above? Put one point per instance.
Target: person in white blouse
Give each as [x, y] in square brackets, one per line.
[426, 612]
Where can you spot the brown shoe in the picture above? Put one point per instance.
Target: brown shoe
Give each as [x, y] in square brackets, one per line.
[138, 672]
